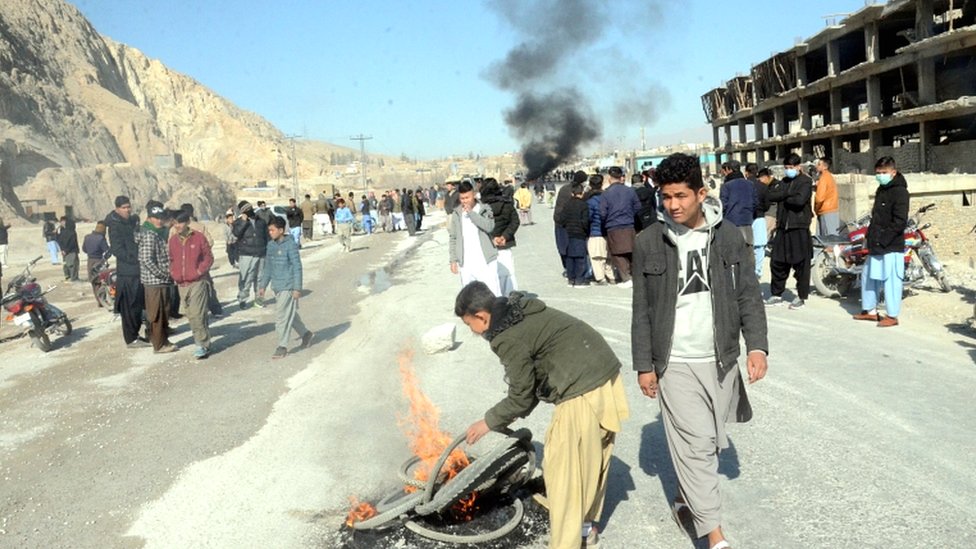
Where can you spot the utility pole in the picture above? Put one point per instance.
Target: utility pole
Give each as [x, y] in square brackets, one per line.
[362, 154]
[294, 165]
[422, 171]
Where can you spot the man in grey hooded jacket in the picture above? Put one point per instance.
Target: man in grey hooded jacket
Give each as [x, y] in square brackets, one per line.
[694, 293]
[473, 256]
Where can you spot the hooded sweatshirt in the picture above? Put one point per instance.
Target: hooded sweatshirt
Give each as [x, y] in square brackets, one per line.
[694, 337]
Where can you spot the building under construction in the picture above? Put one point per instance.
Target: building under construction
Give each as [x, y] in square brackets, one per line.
[895, 79]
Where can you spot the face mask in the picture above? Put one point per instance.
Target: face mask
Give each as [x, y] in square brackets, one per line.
[791, 173]
[883, 178]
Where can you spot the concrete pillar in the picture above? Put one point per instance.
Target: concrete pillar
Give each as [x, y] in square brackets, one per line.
[871, 51]
[728, 136]
[924, 19]
[803, 106]
[874, 96]
[801, 71]
[781, 152]
[779, 121]
[833, 58]
[715, 147]
[926, 81]
[806, 150]
[929, 137]
[743, 138]
[836, 144]
[876, 140]
[757, 124]
[743, 157]
[836, 106]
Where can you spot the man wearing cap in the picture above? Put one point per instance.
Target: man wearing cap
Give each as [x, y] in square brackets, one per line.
[252, 245]
[154, 272]
[129, 294]
[191, 258]
[618, 210]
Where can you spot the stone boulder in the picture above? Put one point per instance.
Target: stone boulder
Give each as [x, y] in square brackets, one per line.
[439, 338]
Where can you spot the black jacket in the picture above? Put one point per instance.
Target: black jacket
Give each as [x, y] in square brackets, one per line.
[762, 198]
[647, 214]
[562, 198]
[737, 305]
[295, 216]
[889, 216]
[793, 197]
[68, 237]
[122, 240]
[506, 219]
[252, 236]
[575, 217]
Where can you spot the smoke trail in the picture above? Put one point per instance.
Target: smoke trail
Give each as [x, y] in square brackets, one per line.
[552, 127]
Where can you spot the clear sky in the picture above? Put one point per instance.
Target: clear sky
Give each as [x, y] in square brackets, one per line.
[412, 74]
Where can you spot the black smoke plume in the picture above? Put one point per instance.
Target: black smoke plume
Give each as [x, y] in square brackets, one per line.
[551, 127]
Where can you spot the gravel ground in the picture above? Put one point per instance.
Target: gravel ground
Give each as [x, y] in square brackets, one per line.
[861, 436]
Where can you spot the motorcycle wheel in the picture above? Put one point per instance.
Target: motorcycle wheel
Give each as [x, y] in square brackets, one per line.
[828, 285]
[65, 325]
[943, 281]
[38, 335]
[103, 298]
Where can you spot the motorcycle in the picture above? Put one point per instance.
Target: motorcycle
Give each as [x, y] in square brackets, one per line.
[839, 260]
[103, 279]
[29, 309]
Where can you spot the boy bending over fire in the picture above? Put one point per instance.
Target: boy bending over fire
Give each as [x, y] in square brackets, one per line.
[551, 356]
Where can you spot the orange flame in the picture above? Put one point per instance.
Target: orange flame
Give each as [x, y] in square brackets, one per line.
[427, 442]
[360, 511]
[422, 426]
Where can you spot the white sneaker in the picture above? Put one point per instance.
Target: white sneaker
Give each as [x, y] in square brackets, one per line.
[628, 284]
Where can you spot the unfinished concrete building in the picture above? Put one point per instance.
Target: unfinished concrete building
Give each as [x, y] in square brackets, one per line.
[895, 79]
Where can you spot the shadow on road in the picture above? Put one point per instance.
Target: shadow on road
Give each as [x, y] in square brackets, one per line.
[619, 484]
[65, 342]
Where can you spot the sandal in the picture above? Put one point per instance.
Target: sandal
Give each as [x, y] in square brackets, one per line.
[722, 545]
[677, 508]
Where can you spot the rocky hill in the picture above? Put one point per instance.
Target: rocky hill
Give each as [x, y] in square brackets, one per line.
[82, 115]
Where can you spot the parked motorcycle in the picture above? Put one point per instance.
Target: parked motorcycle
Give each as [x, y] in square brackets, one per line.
[103, 284]
[24, 300]
[839, 259]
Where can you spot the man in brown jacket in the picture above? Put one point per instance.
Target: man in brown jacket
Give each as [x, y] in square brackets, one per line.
[308, 211]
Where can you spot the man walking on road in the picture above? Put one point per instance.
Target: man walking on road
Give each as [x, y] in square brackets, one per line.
[563, 197]
[68, 242]
[886, 246]
[695, 297]
[130, 299]
[191, 258]
[523, 201]
[284, 271]
[155, 274]
[295, 221]
[619, 209]
[738, 196]
[308, 212]
[252, 245]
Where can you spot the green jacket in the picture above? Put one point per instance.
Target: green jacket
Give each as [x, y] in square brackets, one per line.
[548, 356]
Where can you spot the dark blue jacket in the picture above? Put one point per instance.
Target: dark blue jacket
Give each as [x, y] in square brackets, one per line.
[596, 220]
[620, 205]
[739, 201]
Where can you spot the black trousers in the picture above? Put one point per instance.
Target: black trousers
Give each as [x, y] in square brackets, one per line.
[130, 301]
[780, 271]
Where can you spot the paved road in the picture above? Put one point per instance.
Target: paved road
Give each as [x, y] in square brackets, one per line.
[862, 437]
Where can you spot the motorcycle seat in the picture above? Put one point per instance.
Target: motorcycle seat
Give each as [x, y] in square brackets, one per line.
[832, 239]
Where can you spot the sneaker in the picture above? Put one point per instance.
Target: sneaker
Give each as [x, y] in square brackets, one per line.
[797, 304]
[259, 302]
[774, 300]
[168, 348]
[201, 352]
[244, 305]
[307, 339]
[627, 284]
[887, 322]
[280, 352]
[138, 344]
